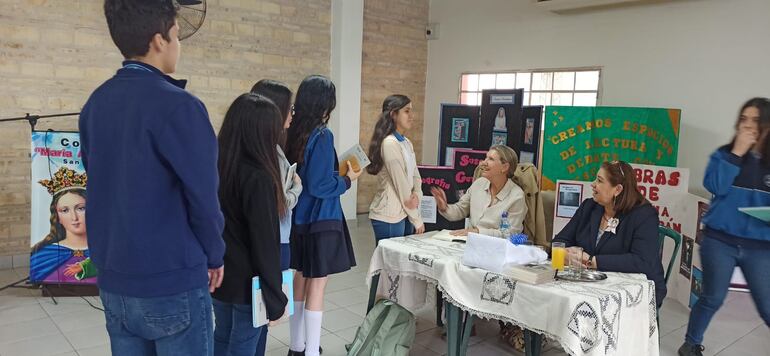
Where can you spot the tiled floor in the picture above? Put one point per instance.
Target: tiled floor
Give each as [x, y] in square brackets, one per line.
[31, 325]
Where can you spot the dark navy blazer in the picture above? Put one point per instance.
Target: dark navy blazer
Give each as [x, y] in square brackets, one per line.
[632, 249]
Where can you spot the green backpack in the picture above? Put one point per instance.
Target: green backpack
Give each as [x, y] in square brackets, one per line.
[388, 330]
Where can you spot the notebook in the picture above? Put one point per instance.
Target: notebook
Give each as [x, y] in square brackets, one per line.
[258, 309]
[356, 156]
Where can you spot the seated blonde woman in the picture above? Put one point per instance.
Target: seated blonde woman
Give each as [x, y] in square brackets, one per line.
[490, 195]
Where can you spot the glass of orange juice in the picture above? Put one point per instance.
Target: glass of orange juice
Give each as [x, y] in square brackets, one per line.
[558, 255]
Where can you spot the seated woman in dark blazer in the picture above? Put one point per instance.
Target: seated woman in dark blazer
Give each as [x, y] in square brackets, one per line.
[617, 229]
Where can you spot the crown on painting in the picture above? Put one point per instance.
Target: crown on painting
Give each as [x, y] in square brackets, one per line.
[64, 179]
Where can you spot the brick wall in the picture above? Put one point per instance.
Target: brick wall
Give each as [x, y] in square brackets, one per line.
[395, 57]
[53, 53]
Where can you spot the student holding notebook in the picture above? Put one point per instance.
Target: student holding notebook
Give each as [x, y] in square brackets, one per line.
[738, 176]
[253, 202]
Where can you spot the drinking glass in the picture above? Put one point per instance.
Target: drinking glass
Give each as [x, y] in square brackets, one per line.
[558, 255]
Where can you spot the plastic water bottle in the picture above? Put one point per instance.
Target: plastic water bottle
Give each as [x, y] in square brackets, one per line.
[505, 227]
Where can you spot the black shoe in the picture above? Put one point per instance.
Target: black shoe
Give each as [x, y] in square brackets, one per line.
[688, 349]
[302, 353]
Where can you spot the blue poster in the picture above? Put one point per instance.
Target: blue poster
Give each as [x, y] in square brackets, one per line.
[58, 238]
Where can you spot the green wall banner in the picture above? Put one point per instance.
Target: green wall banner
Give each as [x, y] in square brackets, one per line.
[577, 139]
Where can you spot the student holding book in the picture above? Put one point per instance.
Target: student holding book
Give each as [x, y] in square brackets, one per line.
[320, 241]
[738, 176]
[253, 202]
[281, 95]
[394, 210]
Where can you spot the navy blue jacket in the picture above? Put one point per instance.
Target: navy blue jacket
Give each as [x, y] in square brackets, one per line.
[154, 222]
[737, 182]
[318, 207]
[632, 249]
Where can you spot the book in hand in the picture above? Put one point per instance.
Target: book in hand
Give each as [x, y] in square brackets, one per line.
[760, 212]
[357, 158]
[290, 175]
[258, 308]
[531, 273]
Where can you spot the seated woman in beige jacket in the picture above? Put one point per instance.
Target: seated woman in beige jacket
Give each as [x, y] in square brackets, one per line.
[490, 195]
[394, 209]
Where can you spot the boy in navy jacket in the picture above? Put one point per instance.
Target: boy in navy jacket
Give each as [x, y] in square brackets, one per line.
[155, 225]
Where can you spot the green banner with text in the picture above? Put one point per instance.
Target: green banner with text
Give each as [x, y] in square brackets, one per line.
[577, 139]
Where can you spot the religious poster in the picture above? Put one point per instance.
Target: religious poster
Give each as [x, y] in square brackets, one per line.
[58, 240]
[501, 116]
[529, 150]
[578, 139]
[459, 129]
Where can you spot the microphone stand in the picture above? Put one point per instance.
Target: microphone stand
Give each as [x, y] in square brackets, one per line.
[32, 119]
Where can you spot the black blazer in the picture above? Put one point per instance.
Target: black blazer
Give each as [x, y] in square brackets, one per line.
[632, 249]
[252, 238]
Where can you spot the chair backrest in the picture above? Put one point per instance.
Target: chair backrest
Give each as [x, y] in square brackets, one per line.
[664, 232]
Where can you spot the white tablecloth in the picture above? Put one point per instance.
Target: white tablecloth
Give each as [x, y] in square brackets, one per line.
[611, 317]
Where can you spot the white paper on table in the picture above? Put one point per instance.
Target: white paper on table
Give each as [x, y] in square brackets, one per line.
[428, 209]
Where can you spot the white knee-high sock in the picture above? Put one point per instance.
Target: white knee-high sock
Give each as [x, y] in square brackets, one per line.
[297, 328]
[312, 332]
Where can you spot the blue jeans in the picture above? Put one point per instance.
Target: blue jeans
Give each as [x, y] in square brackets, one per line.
[383, 230]
[234, 333]
[174, 325]
[719, 260]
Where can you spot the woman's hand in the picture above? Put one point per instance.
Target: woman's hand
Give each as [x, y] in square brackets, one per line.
[353, 175]
[745, 140]
[413, 202]
[440, 196]
[73, 270]
[420, 230]
[464, 232]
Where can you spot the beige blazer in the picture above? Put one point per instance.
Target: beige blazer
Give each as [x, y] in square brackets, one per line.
[394, 187]
[485, 211]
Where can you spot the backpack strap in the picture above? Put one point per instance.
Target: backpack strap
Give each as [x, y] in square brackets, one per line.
[386, 326]
[373, 318]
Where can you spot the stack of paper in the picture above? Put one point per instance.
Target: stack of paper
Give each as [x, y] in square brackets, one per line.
[446, 235]
[532, 274]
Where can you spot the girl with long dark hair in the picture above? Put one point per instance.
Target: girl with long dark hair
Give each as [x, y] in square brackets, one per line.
[281, 95]
[394, 210]
[252, 199]
[738, 176]
[320, 241]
